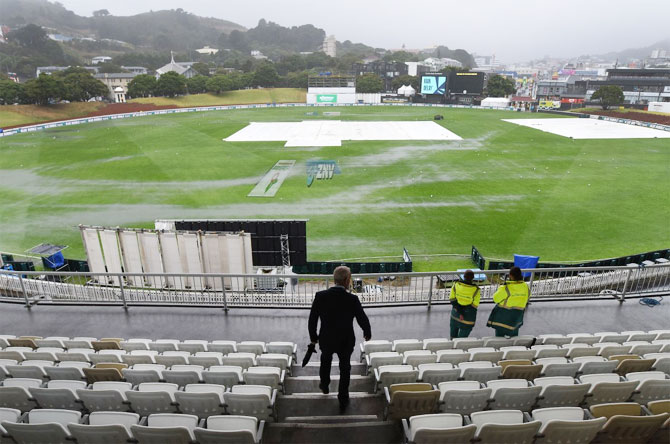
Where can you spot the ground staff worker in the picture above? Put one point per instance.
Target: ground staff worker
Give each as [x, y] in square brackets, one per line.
[511, 300]
[464, 297]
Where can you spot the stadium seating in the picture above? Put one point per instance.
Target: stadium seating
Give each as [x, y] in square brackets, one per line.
[225, 391]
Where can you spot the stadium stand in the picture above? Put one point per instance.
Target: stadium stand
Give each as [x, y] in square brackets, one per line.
[60, 389]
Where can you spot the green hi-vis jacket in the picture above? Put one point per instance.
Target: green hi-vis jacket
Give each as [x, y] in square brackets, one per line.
[465, 298]
[511, 299]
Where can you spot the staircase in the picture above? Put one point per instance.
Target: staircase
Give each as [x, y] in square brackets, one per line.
[308, 416]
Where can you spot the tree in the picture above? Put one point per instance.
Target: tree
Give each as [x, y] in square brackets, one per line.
[196, 84]
[109, 67]
[171, 84]
[44, 89]
[101, 13]
[369, 83]
[500, 86]
[609, 95]
[10, 92]
[297, 79]
[266, 75]
[142, 85]
[201, 68]
[80, 85]
[399, 81]
[218, 84]
[32, 36]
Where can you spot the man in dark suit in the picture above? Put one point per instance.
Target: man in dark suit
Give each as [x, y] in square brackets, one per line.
[337, 308]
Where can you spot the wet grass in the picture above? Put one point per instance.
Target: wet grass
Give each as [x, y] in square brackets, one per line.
[504, 188]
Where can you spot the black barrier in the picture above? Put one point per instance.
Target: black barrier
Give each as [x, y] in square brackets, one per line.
[477, 258]
[356, 267]
[265, 237]
[611, 262]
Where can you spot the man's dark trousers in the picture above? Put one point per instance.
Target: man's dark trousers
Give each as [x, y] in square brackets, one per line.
[345, 371]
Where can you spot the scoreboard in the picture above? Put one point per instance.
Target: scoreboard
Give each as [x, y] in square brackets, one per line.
[435, 84]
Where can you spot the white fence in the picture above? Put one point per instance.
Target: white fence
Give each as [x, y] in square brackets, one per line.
[613, 283]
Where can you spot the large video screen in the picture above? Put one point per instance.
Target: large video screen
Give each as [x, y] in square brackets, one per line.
[434, 85]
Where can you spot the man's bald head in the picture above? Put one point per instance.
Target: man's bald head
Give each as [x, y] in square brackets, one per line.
[342, 276]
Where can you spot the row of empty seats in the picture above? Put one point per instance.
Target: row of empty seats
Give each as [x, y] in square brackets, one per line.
[605, 423]
[159, 345]
[62, 426]
[655, 337]
[147, 398]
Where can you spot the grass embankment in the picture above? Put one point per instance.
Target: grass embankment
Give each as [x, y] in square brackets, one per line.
[13, 115]
[242, 97]
[504, 188]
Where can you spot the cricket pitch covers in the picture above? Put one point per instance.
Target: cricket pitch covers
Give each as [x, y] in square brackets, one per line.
[333, 132]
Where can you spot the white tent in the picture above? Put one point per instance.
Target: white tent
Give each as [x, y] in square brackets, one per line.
[406, 90]
[496, 102]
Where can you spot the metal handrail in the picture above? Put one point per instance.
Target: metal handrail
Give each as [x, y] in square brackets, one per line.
[297, 291]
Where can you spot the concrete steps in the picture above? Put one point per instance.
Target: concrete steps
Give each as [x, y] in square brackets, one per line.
[339, 419]
[310, 384]
[313, 404]
[312, 369]
[326, 433]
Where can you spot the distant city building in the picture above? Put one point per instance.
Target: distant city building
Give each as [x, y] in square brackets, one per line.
[330, 46]
[60, 37]
[258, 55]
[100, 59]
[386, 70]
[183, 68]
[4, 30]
[438, 64]
[487, 63]
[117, 84]
[135, 69]
[207, 50]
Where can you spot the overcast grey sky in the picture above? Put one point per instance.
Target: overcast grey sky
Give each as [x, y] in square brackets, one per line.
[513, 30]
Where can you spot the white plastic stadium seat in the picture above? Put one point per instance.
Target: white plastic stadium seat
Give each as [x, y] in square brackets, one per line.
[230, 429]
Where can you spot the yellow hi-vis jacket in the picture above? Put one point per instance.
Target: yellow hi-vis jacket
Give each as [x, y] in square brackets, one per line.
[518, 295]
[465, 294]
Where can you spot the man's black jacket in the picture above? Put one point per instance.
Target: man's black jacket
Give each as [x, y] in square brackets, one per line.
[337, 309]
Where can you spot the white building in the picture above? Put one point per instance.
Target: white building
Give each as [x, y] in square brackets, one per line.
[117, 84]
[100, 59]
[207, 50]
[183, 68]
[330, 46]
[135, 69]
[258, 55]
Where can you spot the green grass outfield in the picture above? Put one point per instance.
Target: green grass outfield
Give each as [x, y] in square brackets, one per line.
[505, 188]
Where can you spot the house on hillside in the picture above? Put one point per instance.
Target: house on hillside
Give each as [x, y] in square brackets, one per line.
[183, 68]
[100, 59]
[207, 50]
[114, 81]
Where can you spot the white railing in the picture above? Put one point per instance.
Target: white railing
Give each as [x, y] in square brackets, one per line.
[297, 291]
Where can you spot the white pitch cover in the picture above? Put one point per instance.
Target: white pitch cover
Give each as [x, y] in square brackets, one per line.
[212, 256]
[132, 258]
[110, 249]
[193, 257]
[172, 259]
[151, 253]
[96, 263]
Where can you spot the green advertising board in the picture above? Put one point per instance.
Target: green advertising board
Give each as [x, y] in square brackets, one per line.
[326, 98]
